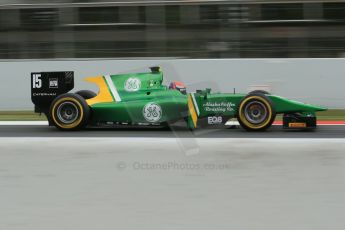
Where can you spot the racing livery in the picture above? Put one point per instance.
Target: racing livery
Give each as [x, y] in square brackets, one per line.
[140, 99]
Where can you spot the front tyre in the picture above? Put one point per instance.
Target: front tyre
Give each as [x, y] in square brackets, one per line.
[256, 112]
[69, 112]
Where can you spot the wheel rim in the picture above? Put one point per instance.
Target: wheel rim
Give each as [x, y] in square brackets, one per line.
[67, 112]
[255, 112]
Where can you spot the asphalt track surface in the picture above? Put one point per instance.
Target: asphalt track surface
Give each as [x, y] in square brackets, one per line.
[171, 179]
[171, 183]
[175, 132]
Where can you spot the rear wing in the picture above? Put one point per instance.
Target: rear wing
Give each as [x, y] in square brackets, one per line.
[46, 86]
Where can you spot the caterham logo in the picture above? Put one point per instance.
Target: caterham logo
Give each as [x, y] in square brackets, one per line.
[152, 112]
[132, 84]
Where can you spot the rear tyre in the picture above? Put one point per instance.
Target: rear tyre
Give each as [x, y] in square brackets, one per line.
[256, 112]
[86, 94]
[259, 91]
[69, 112]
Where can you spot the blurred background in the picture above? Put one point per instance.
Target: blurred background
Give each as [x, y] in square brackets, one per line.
[31, 29]
[284, 46]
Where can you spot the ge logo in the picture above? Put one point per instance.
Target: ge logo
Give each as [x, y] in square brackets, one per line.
[152, 112]
[132, 84]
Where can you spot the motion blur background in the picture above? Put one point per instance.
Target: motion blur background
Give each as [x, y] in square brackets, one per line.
[31, 29]
[284, 46]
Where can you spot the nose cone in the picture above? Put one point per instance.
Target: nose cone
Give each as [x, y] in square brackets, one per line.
[311, 107]
[284, 105]
[319, 108]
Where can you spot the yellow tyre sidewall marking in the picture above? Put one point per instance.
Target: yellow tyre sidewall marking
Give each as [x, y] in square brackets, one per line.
[74, 124]
[243, 118]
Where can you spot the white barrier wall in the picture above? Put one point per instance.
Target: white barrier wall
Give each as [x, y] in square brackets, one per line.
[319, 81]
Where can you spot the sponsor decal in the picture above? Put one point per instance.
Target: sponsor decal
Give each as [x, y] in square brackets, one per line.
[132, 84]
[214, 120]
[152, 112]
[53, 83]
[219, 107]
[43, 94]
[297, 125]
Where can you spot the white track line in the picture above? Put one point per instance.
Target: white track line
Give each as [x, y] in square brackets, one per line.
[23, 123]
[236, 123]
[46, 123]
[123, 140]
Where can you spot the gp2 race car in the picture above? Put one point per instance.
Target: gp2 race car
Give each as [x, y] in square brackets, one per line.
[140, 99]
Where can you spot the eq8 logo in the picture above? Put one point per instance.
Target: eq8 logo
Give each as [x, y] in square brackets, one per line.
[152, 112]
[214, 120]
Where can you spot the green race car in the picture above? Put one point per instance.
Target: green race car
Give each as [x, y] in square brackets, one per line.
[140, 99]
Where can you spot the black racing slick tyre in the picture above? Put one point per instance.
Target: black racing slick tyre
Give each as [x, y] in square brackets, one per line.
[86, 94]
[69, 112]
[256, 112]
[259, 91]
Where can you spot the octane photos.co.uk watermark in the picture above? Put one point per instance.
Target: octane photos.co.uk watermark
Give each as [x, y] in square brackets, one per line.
[172, 166]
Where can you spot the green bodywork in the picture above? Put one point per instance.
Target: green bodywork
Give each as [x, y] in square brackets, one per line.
[132, 92]
[228, 104]
[130, 109]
